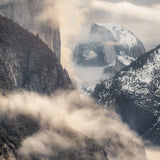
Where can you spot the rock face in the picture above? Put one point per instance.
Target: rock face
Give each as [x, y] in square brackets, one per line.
[107, 49]
[26, 13]
[26, 62]
[136, 92]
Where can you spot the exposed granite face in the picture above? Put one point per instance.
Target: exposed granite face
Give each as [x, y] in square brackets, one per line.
[26, 62]
[26, 13]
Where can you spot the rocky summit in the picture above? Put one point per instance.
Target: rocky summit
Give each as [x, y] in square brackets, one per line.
[106, 51]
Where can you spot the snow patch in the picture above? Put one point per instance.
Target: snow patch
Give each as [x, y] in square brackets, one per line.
[123, 36]
[138, 81]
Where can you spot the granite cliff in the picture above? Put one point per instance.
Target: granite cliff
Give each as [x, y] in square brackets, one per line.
[26, 13]
[26, 62]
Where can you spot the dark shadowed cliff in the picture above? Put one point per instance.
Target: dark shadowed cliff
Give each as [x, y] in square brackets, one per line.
[26, 62]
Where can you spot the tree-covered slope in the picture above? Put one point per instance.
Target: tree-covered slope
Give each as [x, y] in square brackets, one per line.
[26, 62]
[135, 90]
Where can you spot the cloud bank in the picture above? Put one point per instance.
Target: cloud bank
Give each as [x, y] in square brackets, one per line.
[81, 117]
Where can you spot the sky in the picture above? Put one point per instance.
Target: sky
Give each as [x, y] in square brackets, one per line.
[139, 16]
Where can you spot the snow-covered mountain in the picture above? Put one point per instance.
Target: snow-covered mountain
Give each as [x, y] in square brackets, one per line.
[136, 92]
[107, 50]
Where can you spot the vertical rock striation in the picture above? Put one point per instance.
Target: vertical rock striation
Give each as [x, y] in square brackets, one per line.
[26, 13]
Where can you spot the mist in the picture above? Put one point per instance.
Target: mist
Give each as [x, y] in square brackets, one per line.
[76, 17]
[81, 117]
[153, 153]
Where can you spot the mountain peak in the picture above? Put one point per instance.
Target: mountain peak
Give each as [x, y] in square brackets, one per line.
[109, 48]
[101, 33]
[123, 35]
[119, 33]
[95, 27]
